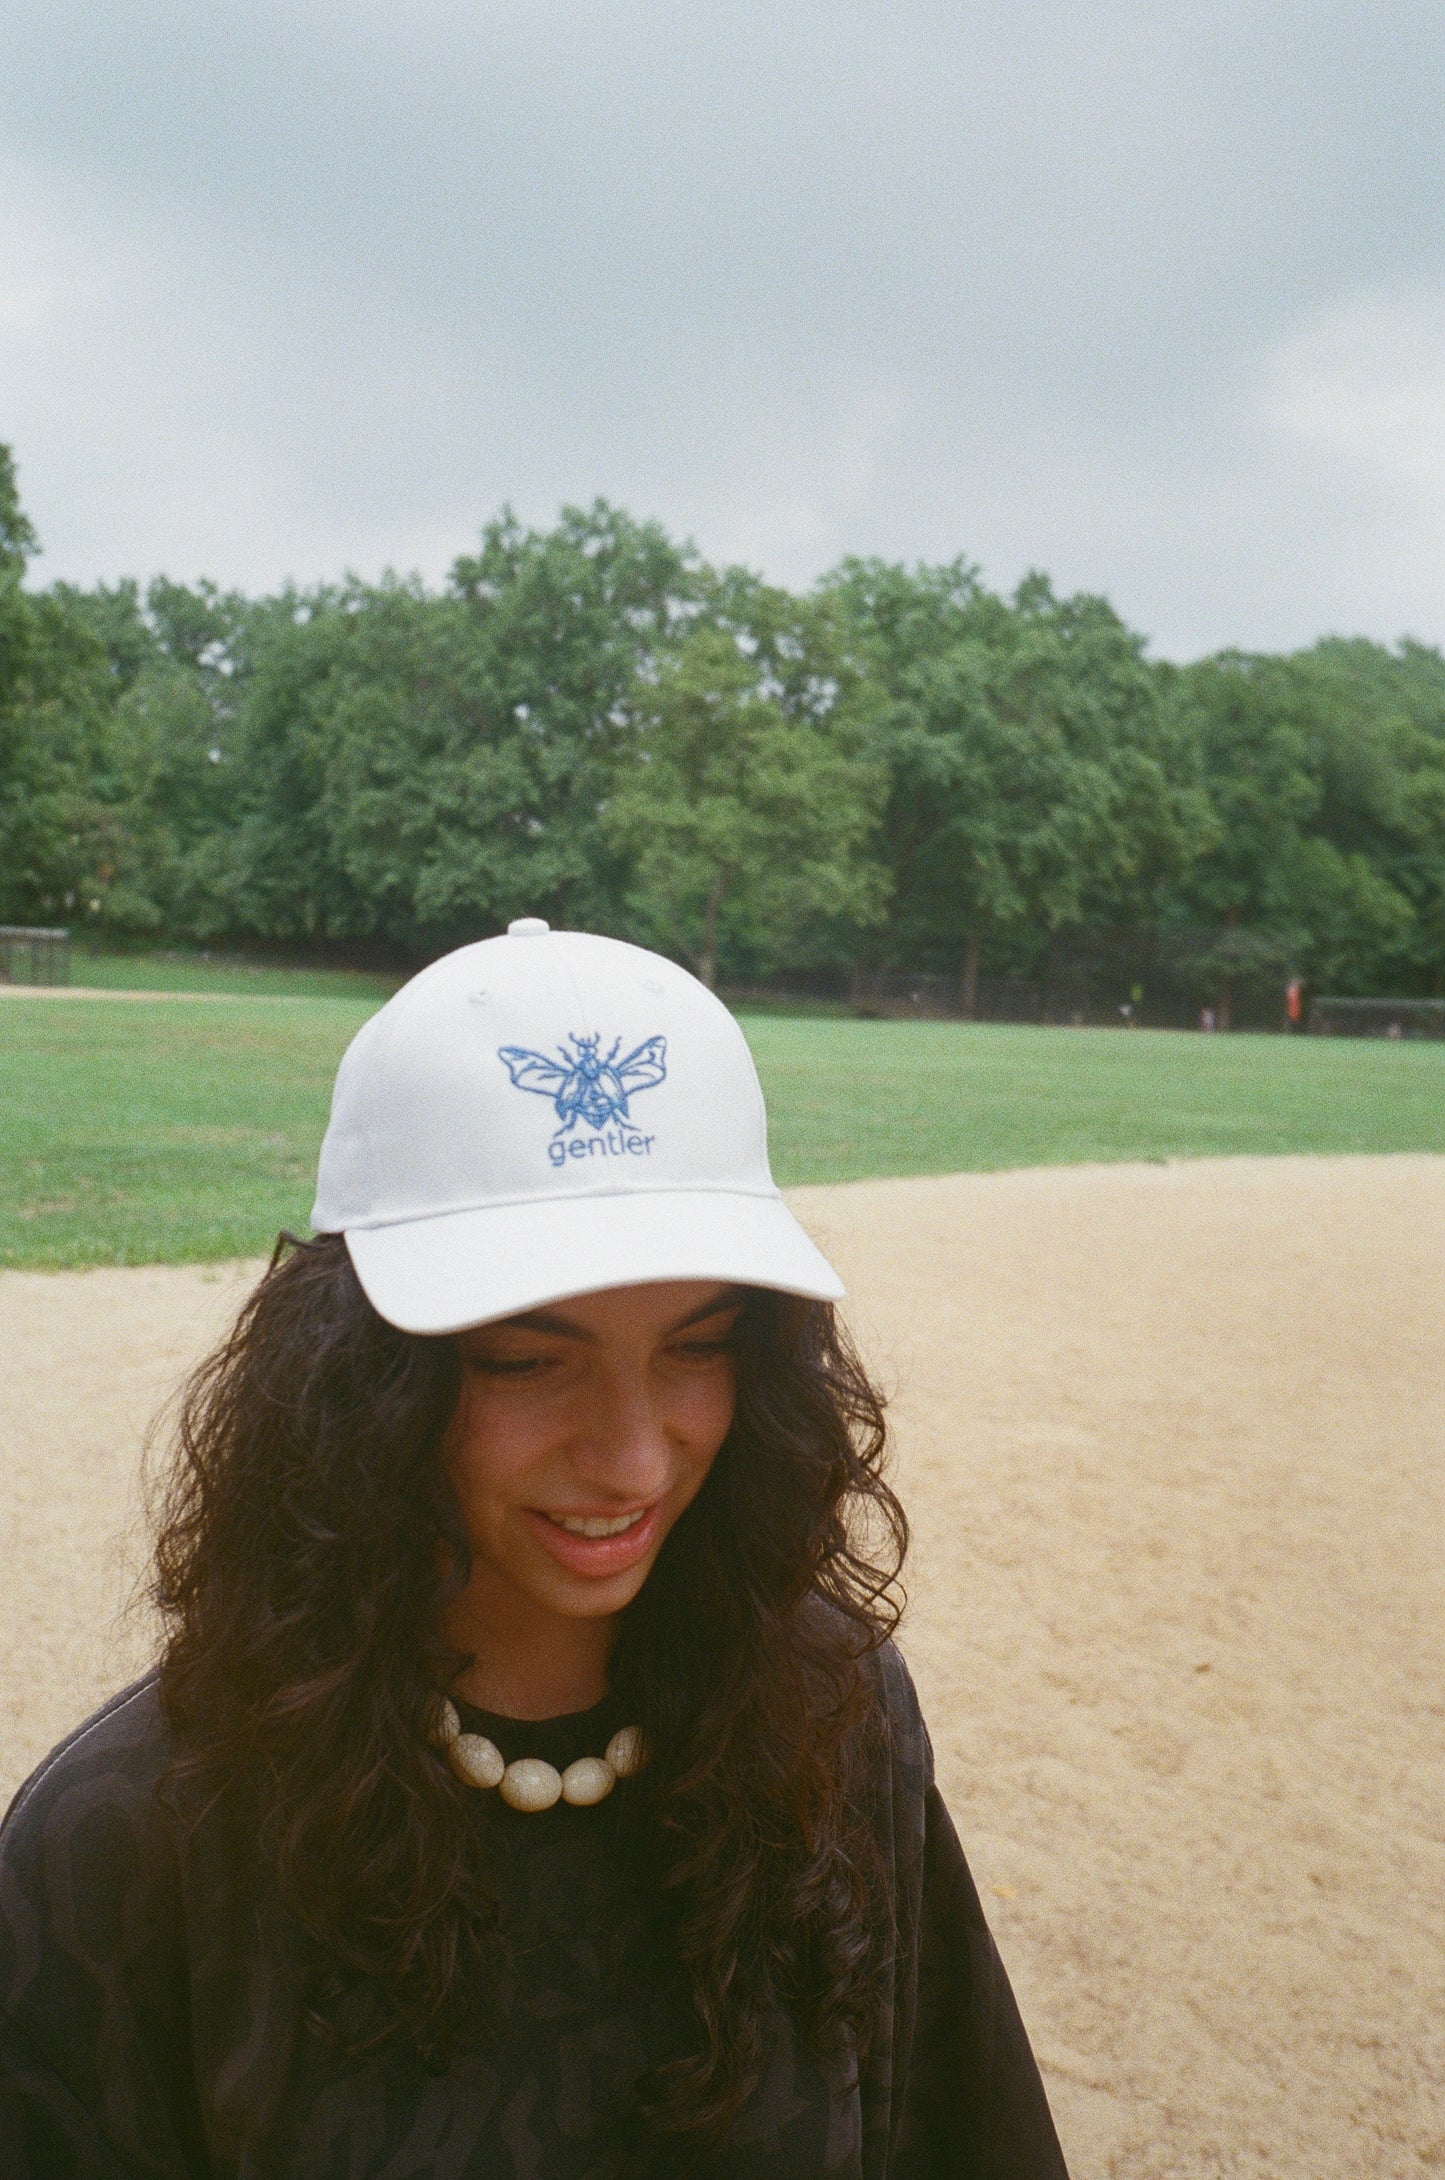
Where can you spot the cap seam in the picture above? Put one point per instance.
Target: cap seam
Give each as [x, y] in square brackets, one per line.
[591, 1195]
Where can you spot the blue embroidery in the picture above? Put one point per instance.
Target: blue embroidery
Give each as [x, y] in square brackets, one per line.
[581, 1084]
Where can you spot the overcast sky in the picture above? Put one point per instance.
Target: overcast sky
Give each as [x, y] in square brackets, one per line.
[1150, 295]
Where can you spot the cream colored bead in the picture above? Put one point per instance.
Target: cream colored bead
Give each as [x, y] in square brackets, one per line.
[625, 1752]
[530, 1784]
[445, 1724]
[590, 1779]
[476, 1760]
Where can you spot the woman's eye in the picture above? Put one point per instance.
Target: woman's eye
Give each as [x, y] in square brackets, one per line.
[704, 1350]
[508, 1366]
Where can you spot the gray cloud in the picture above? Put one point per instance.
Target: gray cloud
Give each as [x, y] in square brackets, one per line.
[1152, 297]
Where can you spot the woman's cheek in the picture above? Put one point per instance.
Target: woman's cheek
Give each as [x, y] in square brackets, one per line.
[708, 1414]
[511, 1433]
[457, 1439]
[476, 1447]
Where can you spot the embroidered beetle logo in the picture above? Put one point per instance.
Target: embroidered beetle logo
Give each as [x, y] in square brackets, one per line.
[581, 1083]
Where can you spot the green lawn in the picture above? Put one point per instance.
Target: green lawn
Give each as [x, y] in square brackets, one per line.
[852, 1099]
[197, 972]
[182, 1130]
[161, 1131]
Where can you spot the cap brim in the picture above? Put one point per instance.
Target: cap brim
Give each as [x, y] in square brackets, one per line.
[461, 1268]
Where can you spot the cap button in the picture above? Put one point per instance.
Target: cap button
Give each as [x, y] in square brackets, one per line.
[528, 927]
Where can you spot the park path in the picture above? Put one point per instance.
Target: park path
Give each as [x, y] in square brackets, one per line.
[1171, 1440]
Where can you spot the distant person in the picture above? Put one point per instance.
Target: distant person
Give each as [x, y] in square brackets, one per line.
[529, 1785]
[1293, 1003]
[1206, 1020]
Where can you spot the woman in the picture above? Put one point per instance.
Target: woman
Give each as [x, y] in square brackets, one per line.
[528, 1785]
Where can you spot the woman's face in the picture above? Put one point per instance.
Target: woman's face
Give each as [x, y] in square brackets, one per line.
[581, 1432]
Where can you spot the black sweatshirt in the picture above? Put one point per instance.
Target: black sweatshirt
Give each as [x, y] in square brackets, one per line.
[151, 2021]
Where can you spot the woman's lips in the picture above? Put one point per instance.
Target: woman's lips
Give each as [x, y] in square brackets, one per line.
[597, 1556]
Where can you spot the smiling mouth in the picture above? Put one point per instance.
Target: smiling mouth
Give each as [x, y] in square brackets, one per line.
[599, 1525]
[599, 1546]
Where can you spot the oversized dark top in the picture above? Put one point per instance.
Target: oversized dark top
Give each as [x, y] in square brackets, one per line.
[151, 2018]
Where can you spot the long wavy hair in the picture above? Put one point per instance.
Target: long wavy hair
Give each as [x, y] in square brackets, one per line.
[309, 1543]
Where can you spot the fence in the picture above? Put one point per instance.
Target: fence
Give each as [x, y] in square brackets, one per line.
[33, 956]
[1377, 1017]
[1167, 977]
[892, 995]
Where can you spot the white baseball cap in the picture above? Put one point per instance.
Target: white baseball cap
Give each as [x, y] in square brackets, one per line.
[547, 1114]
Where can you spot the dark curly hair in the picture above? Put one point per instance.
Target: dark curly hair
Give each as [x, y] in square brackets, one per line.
[309, 1543]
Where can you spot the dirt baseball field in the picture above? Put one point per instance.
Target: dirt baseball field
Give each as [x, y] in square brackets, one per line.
[1173, 1443]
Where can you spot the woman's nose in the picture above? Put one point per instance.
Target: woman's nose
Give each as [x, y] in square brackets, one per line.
[629, 1449]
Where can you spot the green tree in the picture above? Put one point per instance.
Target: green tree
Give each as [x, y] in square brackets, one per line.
[414, 769]
[174, 733]
[18, 854]
[1326, 772]
[1034, 781]
[68, 801]
[17, 543]
[589, 723]
[748, 812]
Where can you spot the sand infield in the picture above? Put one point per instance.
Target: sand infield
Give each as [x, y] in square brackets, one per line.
[1173, 1443]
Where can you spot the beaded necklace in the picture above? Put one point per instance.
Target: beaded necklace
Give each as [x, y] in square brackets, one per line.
[530, 1783]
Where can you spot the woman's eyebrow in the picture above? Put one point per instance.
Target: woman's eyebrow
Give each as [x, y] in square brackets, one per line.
[551, 1321]
[732, 1300]
[563, 1327]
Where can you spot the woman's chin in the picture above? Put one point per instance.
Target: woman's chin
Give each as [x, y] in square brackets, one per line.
[580, 1597]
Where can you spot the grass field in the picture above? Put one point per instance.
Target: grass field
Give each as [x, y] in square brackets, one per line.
[850, 1100]
[199, 972]
[183, 1131]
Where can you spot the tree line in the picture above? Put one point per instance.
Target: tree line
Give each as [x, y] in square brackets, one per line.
[899, 769]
